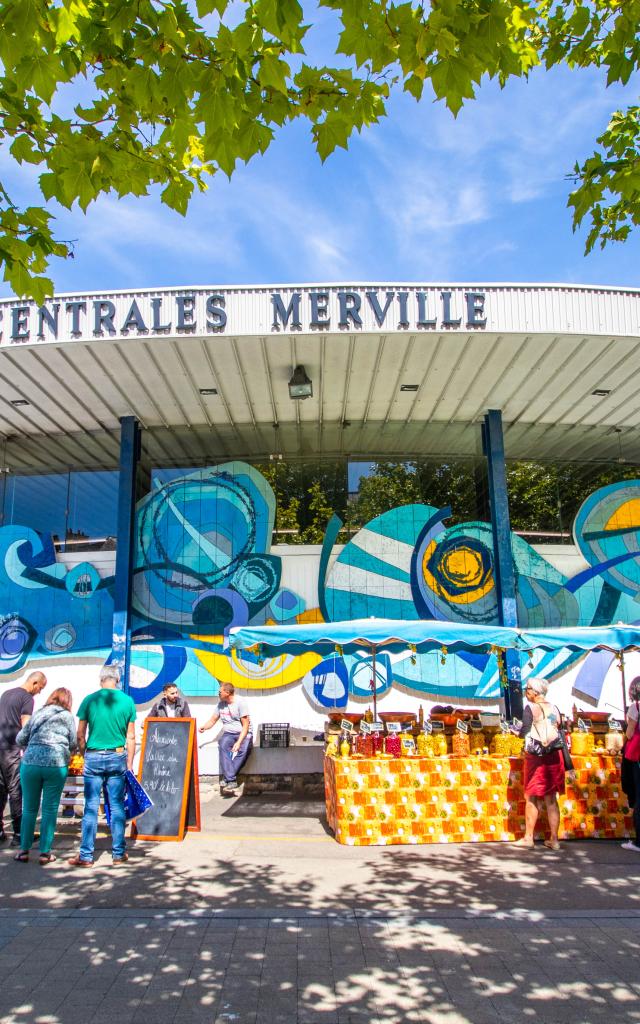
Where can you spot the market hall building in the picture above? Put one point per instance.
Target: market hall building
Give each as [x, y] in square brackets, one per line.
[179, 461]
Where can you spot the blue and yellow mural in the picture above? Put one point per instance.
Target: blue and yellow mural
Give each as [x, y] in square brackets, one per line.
[203, 563]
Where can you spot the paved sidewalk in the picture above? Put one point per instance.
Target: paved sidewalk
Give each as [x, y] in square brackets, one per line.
[104, 967]
[266, 920]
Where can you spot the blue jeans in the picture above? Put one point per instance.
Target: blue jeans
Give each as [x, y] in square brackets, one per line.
[230, 768]
[99, 770]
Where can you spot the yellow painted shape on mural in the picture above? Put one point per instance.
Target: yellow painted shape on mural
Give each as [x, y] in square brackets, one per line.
[248, 675]
[463, 565]
[461, 558]
[625, 516]
[271, 675]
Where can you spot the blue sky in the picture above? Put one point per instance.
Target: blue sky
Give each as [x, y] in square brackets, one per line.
[419, 197]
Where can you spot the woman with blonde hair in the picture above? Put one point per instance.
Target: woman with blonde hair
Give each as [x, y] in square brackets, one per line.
[49, 738]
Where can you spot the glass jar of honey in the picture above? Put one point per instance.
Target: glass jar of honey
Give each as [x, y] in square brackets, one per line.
[460, 746]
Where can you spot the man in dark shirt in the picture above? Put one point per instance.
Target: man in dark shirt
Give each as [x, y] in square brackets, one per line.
[16, 708]
[171, 705]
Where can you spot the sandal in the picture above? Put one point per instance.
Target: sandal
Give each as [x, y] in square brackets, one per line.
[528, 844]
[552, 844]
[47, 858]
[22, 857]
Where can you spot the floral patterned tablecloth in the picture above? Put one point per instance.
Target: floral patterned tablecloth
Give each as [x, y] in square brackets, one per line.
[412, 800]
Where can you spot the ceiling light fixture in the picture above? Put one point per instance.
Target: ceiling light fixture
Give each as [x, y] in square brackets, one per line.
[20, 401]
[601, 392]
[208, 391]
[409, 387]
[300, 386]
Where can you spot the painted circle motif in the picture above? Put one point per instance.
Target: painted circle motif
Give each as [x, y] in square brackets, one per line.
[60, 638]
[453, 574]
[607, 531]
[188, 559]
[16, 640]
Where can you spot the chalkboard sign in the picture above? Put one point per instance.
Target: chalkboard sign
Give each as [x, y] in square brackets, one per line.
[167, 774]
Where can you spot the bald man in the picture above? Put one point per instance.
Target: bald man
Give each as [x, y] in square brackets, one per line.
[16, 708]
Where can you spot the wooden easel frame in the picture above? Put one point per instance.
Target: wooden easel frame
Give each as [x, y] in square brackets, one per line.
[189, 768]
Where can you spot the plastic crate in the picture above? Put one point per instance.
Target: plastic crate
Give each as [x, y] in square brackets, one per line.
[274, 734]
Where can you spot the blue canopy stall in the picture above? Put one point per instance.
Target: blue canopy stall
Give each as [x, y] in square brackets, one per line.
[376, 635]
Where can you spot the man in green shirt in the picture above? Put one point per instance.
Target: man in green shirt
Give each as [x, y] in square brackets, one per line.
[109, 715]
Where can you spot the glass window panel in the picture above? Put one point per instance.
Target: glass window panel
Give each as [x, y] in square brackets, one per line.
[39, 502]
[93, 511]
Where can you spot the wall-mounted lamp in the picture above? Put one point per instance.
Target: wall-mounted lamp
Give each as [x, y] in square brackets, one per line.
[300, 386]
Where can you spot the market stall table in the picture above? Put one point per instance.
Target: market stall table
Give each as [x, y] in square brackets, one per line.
[414, 800]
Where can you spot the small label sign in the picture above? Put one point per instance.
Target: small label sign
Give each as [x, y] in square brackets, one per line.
[614, 725]
[377, 726]
[437, 726]
[365, 727]
[346, 725]
[408, 745]
[394, 727]
[462, 726]
[475, 726]
[584, 725]
[504, 726]
[427, 728]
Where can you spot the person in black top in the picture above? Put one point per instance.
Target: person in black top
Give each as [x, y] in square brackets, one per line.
[171, 705]
[16, 708]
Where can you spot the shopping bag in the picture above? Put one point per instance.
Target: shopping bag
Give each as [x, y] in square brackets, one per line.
[136, 799]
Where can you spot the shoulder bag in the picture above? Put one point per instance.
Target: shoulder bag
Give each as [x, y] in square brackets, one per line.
[632, 747]
[543, 737]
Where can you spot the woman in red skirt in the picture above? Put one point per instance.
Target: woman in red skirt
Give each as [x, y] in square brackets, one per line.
[543, 773]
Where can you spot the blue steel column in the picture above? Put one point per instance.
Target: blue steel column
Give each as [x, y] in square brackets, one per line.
[505, 579]
[129, 457]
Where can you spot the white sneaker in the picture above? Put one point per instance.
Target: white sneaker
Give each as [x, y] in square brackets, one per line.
[629, 845]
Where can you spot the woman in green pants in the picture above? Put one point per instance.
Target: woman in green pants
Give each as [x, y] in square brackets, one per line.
[50, 738]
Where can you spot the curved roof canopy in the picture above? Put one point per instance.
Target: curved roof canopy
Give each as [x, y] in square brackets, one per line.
[397, 370]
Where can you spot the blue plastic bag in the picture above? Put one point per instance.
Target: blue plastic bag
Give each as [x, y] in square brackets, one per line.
[136, 799]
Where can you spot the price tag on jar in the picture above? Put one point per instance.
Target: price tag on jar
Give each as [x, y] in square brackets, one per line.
[504, 726]
[427, 728]
[584, 725]
[393, 727]
[462, 726]
[475, 726]
[408, 745]
[437, 726]
[615, 725]
[376, 726]
[346, 725]
[365, 727]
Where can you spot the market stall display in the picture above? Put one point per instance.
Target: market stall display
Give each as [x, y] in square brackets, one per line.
[455, 788]
[460, 778]
[390, 801]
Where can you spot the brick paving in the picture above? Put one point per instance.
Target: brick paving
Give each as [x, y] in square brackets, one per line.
[104, 966]
[264, 919]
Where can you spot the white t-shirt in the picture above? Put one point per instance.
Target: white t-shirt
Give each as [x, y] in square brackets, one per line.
[231, 714]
